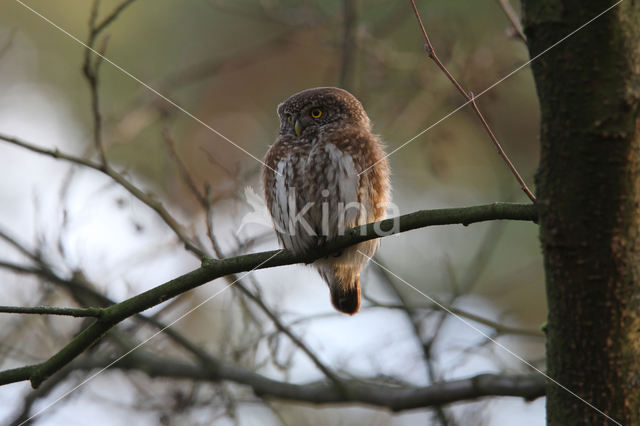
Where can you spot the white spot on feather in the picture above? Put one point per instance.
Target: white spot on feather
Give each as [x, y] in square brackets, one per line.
[345, 178]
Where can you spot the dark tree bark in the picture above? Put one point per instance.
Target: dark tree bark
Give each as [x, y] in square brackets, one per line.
[588, 188]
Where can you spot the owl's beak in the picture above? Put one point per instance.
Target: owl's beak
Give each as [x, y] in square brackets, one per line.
[298, 127]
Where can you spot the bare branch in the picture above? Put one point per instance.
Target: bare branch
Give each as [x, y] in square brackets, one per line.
[91, 74]
[512, 16]
[470, 99]
[22, 416]
[392, 397]
[234, 280]
[212, 269]
[184, 172]
[240, 285]
[17, 245]
[52, 310]
[111, 17]
[91, 70]
[164, 214]
[416, 323]
[118, 178]
[395, 398]
[500, 150]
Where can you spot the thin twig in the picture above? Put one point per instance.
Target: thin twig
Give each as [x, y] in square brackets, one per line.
[523, 185]
[111, 17]
[512, 16]
[175, 227]
[213, 269]
[84, 292]
[90, 69]
[498, 327]
[186, 175]
[469, 97]
[22, 417]
[91, 74]
[426, 346]
[237, 282]
[118, 178]
[52, 310]
[4, 235]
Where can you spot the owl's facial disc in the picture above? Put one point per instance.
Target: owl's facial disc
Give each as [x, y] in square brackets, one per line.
[308, 116]
[307, 112]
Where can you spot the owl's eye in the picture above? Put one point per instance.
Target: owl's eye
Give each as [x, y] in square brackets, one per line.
[289, 118]
[316, 113]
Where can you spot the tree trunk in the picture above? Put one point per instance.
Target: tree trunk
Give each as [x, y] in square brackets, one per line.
[588, 189]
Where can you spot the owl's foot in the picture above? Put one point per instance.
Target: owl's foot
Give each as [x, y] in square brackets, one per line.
[322, 240]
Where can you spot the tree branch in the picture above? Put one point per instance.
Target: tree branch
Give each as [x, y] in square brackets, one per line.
[392, 397]
[512, 16]
[52, 310]
[470, 99]
[91, 74]
[212, 269]
[106, 169]
[110, 17]
[395, 398]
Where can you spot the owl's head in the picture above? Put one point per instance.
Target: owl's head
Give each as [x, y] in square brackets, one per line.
[312, 109]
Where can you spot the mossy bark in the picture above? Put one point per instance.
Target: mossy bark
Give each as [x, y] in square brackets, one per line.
[588, 189]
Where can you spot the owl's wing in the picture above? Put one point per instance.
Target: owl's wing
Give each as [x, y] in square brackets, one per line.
[274, 180]
[286, 200]
[334, 176]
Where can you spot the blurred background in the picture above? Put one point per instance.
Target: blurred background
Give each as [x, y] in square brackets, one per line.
[229, 63]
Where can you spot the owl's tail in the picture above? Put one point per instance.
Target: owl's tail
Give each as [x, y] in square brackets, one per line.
[345, 295]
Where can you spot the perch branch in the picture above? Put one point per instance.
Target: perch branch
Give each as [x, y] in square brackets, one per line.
[233, 279]
[213, 268]
[52, 310]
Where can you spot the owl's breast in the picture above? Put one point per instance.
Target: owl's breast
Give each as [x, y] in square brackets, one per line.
[321, 185]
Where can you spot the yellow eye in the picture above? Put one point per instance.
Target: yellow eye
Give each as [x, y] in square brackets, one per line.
[316, 113]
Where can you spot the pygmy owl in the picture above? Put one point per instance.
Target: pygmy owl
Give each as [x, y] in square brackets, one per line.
[325, 173]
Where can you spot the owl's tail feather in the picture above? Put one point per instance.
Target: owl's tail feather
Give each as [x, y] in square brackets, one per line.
[345, 297]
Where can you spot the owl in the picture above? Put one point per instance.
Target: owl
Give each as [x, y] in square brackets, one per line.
[325, 173]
